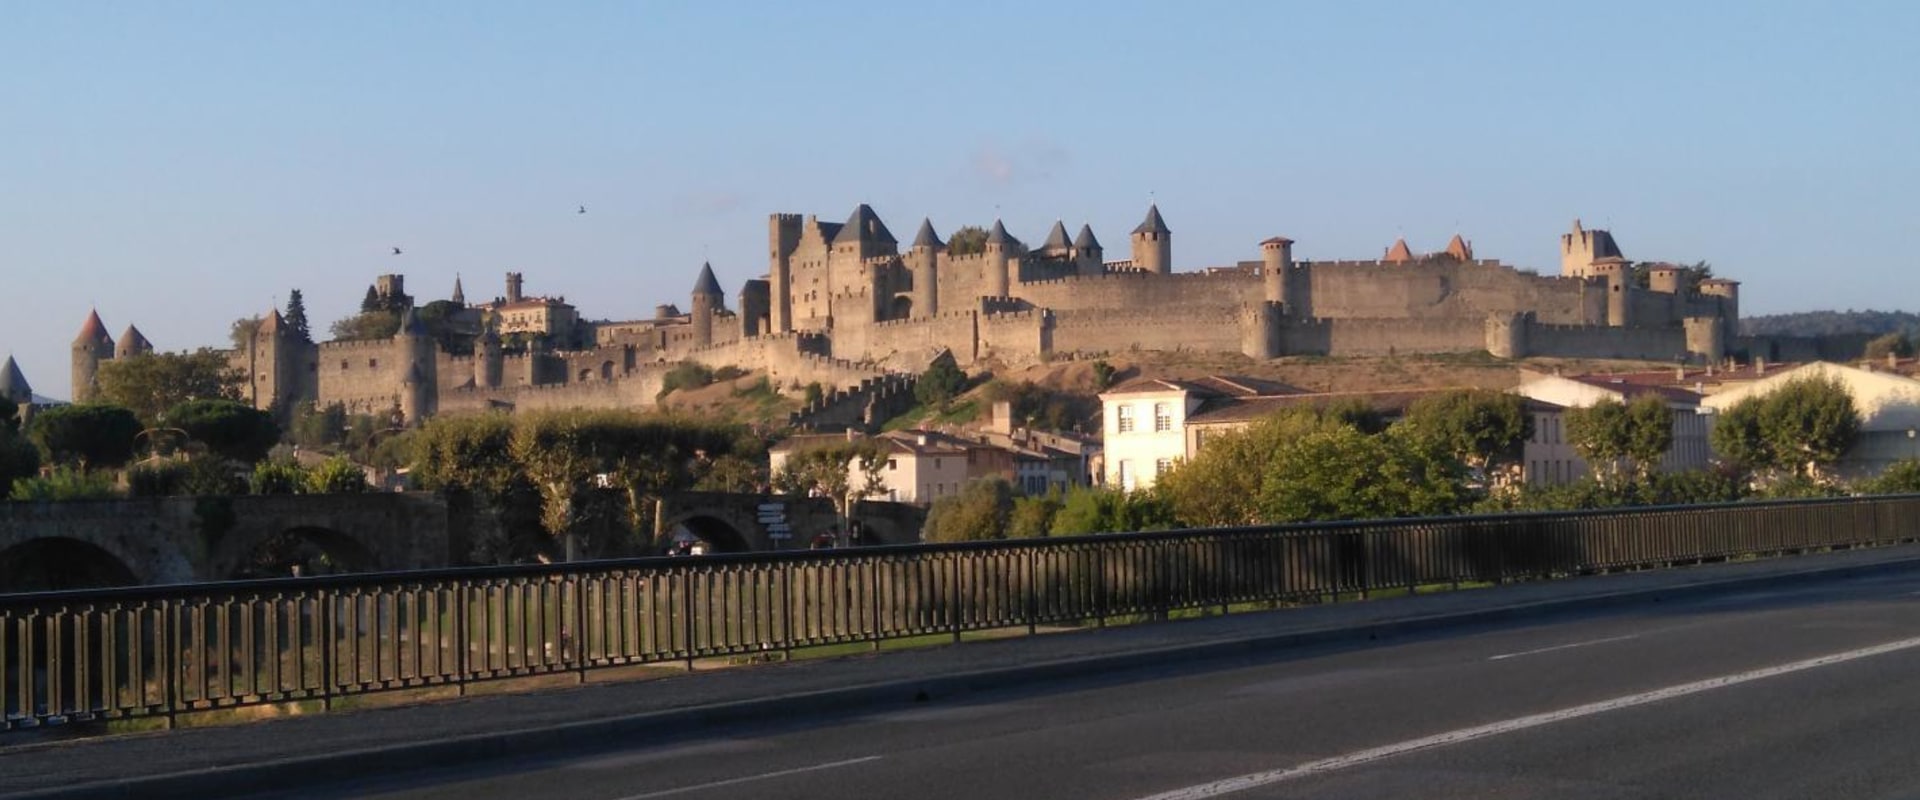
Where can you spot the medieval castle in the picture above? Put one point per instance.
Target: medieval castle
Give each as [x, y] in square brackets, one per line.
[842, 304]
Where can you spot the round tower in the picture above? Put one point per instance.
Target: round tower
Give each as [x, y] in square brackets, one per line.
[1153, 244]
[1260, 330]
[999, 249]
[490, 364]
[1619, 301]
[91, 347]
[1728, 293]
[1705, 339]
[132, 343]
[707, 298]
[1088, 257]
[923, 259]
[417, 352]
[1276, 260]
[1507, 335]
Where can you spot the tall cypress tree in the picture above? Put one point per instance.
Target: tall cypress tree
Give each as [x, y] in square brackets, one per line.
[296, 317]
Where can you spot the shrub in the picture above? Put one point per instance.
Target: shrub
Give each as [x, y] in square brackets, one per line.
[64, 484]
[278, 477]
[685, 375]
[337, 476]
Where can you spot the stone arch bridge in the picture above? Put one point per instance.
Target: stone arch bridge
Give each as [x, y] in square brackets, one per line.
[731, 522]
[186, 539]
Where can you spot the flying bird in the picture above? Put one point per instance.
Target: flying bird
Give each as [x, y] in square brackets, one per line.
[396, 251]
[583, 209]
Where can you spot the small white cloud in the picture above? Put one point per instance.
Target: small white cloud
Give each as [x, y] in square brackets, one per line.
[1034, 160]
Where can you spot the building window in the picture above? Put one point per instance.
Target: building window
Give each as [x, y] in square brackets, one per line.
[1126, 475]
[1162, 417]
[1161, 466]
[892, 464]
[373, 363]
[343, 365]
[1126, 418]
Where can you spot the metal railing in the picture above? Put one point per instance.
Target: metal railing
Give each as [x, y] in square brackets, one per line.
[168, 650]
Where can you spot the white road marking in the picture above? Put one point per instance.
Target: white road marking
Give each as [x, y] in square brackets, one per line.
[1258, 779]
[1564, 647]
[750, 778]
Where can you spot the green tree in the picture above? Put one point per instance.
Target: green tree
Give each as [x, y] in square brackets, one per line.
[337, 475]
[278, 477]
[842, 472]
[980, 512]
[1486, 431]
[1032, 516]
[1341, 473]
[1221, 484]
[1901, 477]
[1809, 424]
[9, 415]
[1103, 374]
[1740, 438]
[814, 394]
[968, 240]
[92, 436]
[939, 384]
[1891, 344]
[367, 326]
[151, 383]
[64, 484]
[242, 332]
[296, 317]
[19, 459]
[314, 427]
[228, 428]
[1087, 510]
[1622, 440]
[1640, 273]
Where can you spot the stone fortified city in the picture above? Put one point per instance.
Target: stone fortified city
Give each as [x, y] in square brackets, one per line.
[845, 305]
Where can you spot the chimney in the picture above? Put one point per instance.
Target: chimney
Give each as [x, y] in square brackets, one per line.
[1680, 374]
[850, 434]
[1003, 417]
[920, 439]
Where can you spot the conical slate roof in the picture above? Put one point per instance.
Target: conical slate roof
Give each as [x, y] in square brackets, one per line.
[706, 283]
[999, 234]
[132, 342]
[13, 384]
[1399, 252]
[1153, 223]
[1085, 240]
[926, 237]
[1057, 238]
[459, 294]
[93, 330]
[864, 224]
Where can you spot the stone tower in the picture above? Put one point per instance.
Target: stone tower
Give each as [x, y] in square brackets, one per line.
[490, 365]
[1153, 244]
[755, 298]
[132, 343]
[13, 384]
[91, 347]
[268, 356]
[1580, 248]
[1619, 296]
[1276, 264]
[515, 283]
[1088, 257]
[707, 299]
[999, 248]
[923, 260]
[1728, 293]
[416, 350]
[783, 237]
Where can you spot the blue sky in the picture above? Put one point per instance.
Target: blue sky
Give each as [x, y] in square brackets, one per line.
[178, 165]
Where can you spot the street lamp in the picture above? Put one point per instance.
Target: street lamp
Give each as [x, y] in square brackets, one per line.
[1911, 433]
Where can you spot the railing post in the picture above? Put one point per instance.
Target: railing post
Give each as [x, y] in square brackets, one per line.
[169, 617]
[327, 633]
[873, 597]
[579, 635]
[1032, 586]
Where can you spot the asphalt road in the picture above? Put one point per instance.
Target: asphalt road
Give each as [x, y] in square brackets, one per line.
[1811, 690]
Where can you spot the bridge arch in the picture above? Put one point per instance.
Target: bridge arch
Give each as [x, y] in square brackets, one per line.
[719, 535]
[305, 549]
[52, 563]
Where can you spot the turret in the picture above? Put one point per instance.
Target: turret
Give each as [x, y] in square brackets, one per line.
[1399, 253]
[13, 384]
[783, 237]
[132, 343]
[490, 365]
[91, 347]
[1057, 245]
[923, 260]
[755, 297]
[417, 351]
[1728, 293]
[1619, 300]
[513, 287]
[459, 294]
[1276, 261]
[1459, 249]
[1706, 338]
[1153, 244]
[1088, 257]
[1000, 247]
[707, 298]
[1663, 278]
